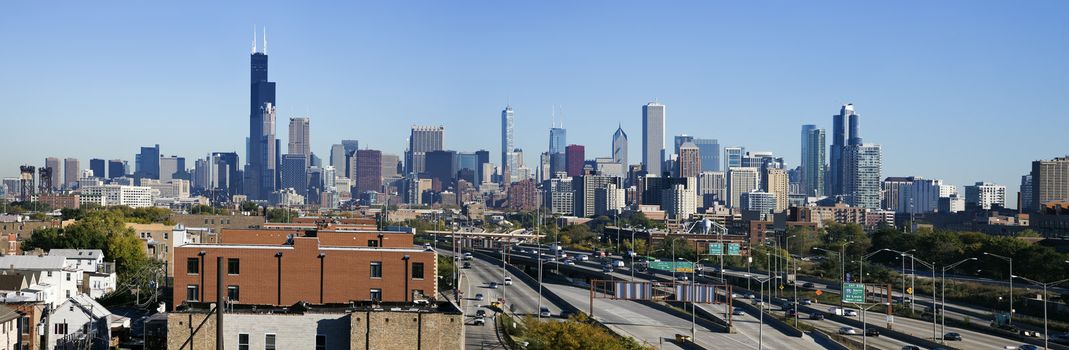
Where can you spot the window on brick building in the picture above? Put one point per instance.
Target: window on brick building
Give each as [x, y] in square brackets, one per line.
[376, 269]
[376, 294]
[417, 270]
[232, 293]
[372, 243]
[192, 292]
[233, 266]
[192, 266]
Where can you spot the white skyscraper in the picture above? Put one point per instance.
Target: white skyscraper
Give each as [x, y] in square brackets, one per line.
[653, 115]
[741, 180]
[508, 160]
[984, 195]
[299, 141]
[619, 147]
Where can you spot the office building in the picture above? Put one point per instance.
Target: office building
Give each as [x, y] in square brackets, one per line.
[368, 171]
[71, 169]
[653, 157]
[98, 167]
[56, 171]
[914, 195]
[390, 164]
[679, 141]
[300, 137]
[574, 156]
[862, 176]
[732, 157]
[508, 160]
[619, 146]
[557, 144]
[841, 139]
[295, 173]
[261, 172]
[775, 182]
[689, 162]
[441, 166]
[172, 167]
[422, 139]
[985, 195]
[741, 180]
[709, 149]
[1050, 181]
[679, 199]
[609, 167]
[759, 201]
[228, 172]
[609, 200]
[711, 188]
[559, 196]
[892, 189]
[812, 165]
[116, 168]
[586, 187]
[111, 195]
[1024, 197]
[337, 157]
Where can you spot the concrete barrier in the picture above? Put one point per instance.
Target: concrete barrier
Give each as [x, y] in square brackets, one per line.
[883, 330]
[770, 320]
[684, 315]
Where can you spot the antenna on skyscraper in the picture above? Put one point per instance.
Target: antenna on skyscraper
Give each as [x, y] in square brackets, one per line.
[265, 40]
[553, 116]
[253, 38]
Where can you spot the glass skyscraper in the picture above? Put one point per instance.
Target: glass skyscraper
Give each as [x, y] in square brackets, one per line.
[653, 115]
[812, 160]
[710, 153]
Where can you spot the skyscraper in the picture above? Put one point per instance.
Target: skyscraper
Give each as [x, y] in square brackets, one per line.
[680, 140]
[228, 163]
[740, 180]
[368, 171]
[294, 173]
[441, 166]
[98, 167]
[775, 182]
[53, 166]
[862, 176]
[575, 155]
[690, 161]
[1024, 197]
[812, 160]
[840, 140]
[337, 156]
[116, 168]
[508, 161]
[300, 141]
[1050, 181]
[653, 115]
[709, 149]
[619, 146]
[558, 138]
[262, 156]
[422, 139]
[71, 169]
[985, 195]
[732, 157]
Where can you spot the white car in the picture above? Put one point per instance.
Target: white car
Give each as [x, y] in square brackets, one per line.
[479, 296]
[847, 331]
[618, 263]
[850, 312]
[544, 312]
[582, 257]
[508, 281]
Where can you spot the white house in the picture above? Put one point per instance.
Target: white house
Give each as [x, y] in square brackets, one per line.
[55, 282]
[80, 320]
[94, 277]
[9, 328]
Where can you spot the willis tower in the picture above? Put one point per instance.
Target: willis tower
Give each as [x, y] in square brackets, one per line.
[261, 147]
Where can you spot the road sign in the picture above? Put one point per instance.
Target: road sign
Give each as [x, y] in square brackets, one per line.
[909, 290]
[781, 287]
[818, 292]
[734, 249]
[854, 293]
[677, 266]
[716, 248]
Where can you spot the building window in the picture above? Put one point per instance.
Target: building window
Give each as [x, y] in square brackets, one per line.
[376, 294]
[269, 342]
[417, 271]
[321, 342]
[232, 293]
[376, 269]
[372, 243]
[233, 266]
[49, 273]
[192, 292]
[68, 276]
[24, 324]
[60, 329]
[192, 266]
[243, 341]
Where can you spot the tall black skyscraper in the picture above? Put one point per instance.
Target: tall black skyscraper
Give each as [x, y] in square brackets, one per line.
[262, 156]
[97, 166]
[841, 139]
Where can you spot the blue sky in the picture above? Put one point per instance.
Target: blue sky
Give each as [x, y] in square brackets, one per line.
[959, 90]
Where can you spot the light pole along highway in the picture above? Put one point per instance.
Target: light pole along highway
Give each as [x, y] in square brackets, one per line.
[1046, 336]
[1010, 260]
[932, 266]
[943, 295]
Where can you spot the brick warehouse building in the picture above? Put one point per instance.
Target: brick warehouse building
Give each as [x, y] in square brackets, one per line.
[281, 267]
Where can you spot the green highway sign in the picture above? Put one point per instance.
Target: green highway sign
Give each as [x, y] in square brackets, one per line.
[734, 249]
[678, 266]
[716, 248]
[854, 293]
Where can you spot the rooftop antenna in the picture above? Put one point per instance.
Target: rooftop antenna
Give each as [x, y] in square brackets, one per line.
[253, 38]
[553, 116]
[265, 40]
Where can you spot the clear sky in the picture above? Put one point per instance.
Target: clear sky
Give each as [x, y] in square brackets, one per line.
[958, 90]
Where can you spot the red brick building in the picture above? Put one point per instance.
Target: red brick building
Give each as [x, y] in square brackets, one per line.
[283, 266]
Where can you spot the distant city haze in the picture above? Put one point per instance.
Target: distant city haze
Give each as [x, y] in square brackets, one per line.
[962, 91]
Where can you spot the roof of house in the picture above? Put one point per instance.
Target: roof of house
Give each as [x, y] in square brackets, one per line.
[90, 254]
[13, 282]
[32, 262]
[8, 314]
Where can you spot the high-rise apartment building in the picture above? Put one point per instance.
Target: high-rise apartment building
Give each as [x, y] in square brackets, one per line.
[619, 146]
[741, 180]
[892, 189]
[812, 165]
[689, 163]
[679, 199]
[679, 141]
[862, 180]
[709, 149]
[423, 139]
[840, 140]
[71, 169]
[1050, 181]
[775, 181]
[574, 156]
[653, 115]
[300, 141]
[711, 188]
[985, 195]
[585, 188]
[732, 157]
[759, 201]
[559, 196]
[508, 160]
[1024, 197]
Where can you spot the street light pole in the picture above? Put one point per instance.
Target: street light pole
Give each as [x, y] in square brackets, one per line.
[761, 308]
[932, 266]
[1046, 336]
[1010, 260]
[787, 246]
[943, 296]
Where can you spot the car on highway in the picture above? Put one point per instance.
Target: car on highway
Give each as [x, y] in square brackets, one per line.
[808, 285]
[582, 257]
[748, 296]
[682, 278]
[738, 311]
[606, 268]
[816, 316]
[480, 320]
[952, 336]
[479, 296]
[618, 263]
[491, 285]
[480, 312]
[807, 301]
[872, 332]
[508, 280]
[467, 265]
[847, 331]
[569, 261]
[467, 256]
[566, 314]
[791, 313]
[544, 312]
[1027, 347]
[1031, 334]
[850, 312]
[911, 347]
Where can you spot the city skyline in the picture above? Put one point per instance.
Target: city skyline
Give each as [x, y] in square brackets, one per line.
[892, 117]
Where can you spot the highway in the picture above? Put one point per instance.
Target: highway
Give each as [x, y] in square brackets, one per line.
[478, 336]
